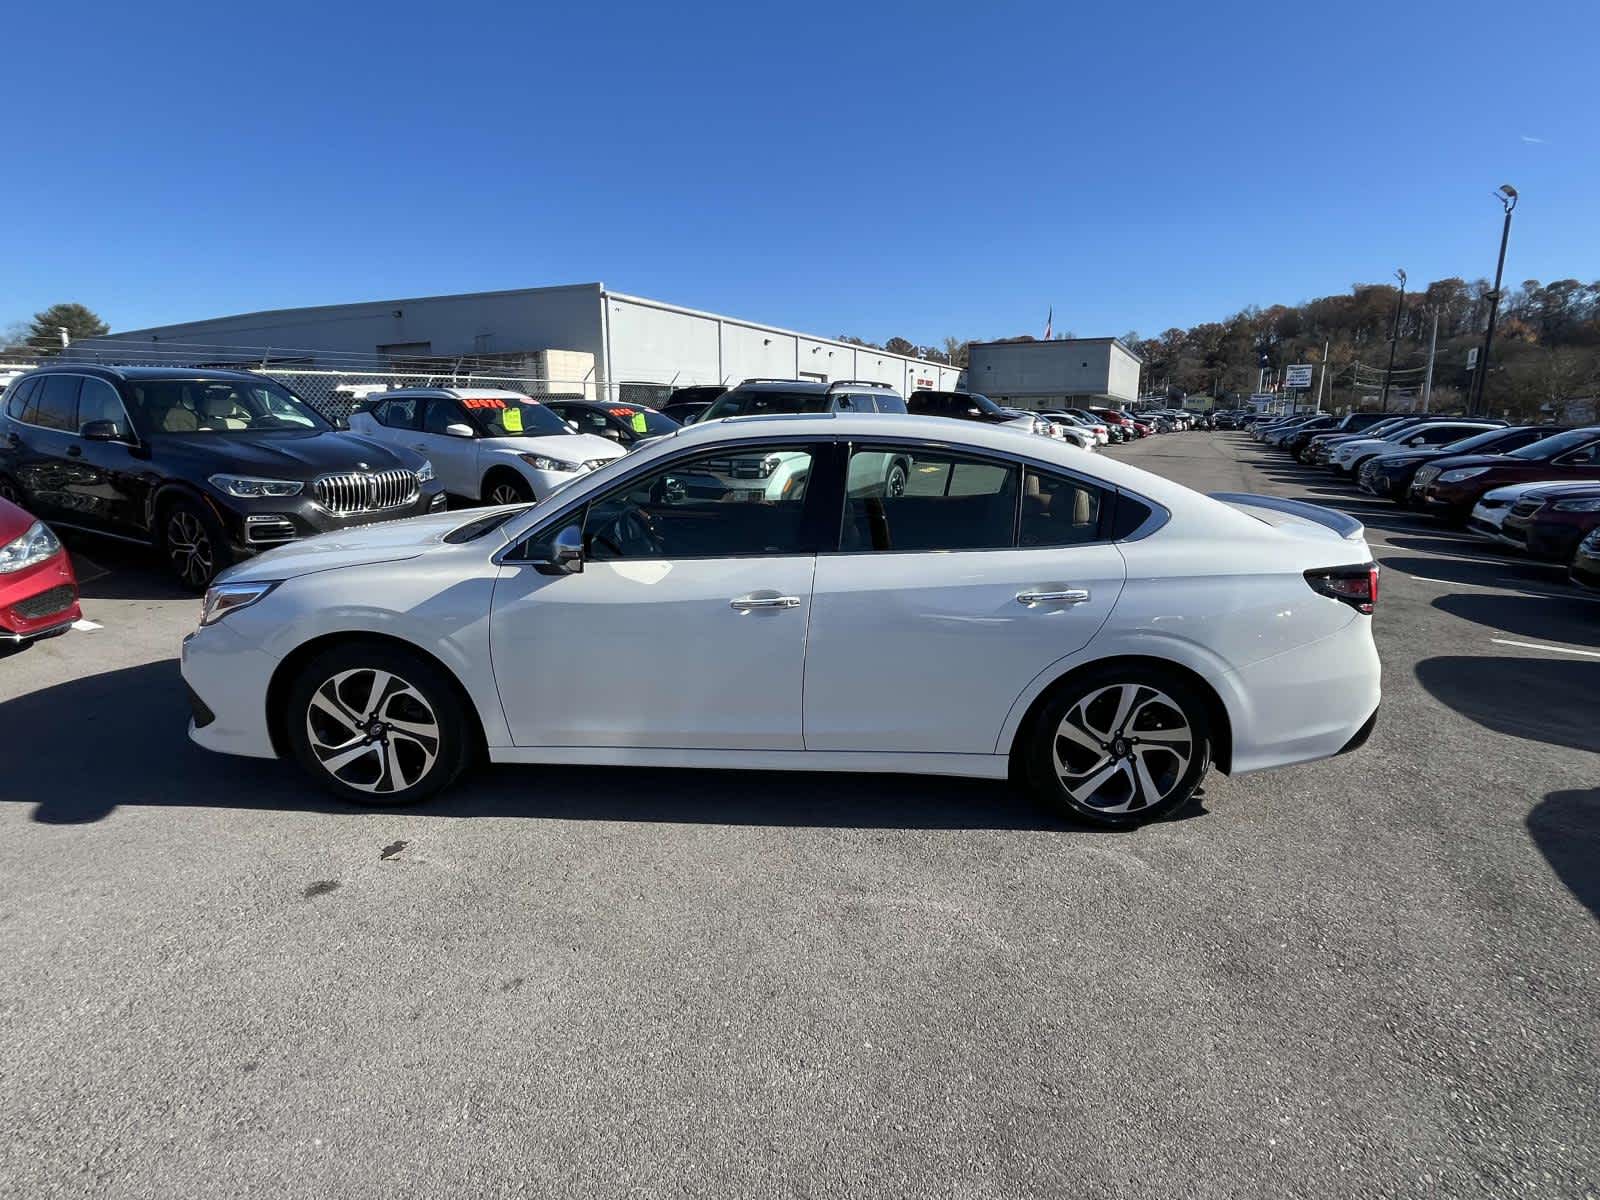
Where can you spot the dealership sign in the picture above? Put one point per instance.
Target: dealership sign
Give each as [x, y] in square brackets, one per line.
[1298, 377]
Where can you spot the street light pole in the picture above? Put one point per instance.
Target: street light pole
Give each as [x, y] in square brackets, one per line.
[1394, 337]
[1507, 195]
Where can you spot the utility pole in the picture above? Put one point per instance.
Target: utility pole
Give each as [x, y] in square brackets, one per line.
[1323, 378]
[1394, 337]
[1507, 196]
[1433, 346]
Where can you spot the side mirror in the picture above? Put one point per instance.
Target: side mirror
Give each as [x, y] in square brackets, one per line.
[573, 425]
[102, 431]
[457, 429]
[562, 555]
[974, 412]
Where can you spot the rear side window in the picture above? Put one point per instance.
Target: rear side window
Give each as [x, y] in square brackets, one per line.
[396, 414]
[1057, 511]
[1583, 456]
[942, 502]
[889, 402]
[58, 403]
[21, 397]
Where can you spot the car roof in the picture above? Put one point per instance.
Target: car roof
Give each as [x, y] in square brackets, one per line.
[455, 393]
[104, 371]
[781, 385]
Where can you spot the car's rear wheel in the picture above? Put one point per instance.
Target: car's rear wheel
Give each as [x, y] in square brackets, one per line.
[1119, 746]
[506, 488]
[377, 725]
[194, 544]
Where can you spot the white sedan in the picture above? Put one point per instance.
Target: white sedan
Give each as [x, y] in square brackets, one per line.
[1015, 608]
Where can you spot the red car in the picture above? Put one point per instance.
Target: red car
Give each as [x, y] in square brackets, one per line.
[38, 591]
[1448, 487]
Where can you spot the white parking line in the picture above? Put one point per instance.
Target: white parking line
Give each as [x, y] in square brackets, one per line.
[1540, 646]
[84, 625]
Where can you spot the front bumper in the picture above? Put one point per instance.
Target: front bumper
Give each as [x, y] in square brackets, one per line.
[227, 678]
[256, 525]
[39, 602]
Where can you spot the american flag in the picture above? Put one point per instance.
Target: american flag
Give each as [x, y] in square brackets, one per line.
[1049, 322]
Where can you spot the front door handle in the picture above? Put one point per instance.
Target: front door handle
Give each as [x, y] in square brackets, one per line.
[1062, 596]
[748, 603]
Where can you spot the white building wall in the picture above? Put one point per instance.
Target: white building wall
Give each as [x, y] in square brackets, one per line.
[1043, 374]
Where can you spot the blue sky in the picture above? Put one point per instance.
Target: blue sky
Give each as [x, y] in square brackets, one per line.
[875, 169]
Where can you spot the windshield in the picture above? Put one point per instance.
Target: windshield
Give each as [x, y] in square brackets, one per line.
[742, 404]
[508, 416]
[1470, 445]
[202, 406]
[646, 422]
[1553, 447]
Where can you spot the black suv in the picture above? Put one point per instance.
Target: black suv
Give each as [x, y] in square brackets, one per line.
[209, 466]
[762, 397]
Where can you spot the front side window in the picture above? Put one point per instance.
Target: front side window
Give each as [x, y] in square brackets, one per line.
[762, 403]
[98, 401]
[734, 502]
[1555, 447]
[946, 502]
[396, 414]
[442, 414]
[1584, 456]
[204, 406]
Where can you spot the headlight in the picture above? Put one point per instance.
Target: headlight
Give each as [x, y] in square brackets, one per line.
[33, 547]
[224, 598]
[540, 463]
[1463, 473]
[1576, 505]
[248, 488]
[425, 472]
[1400, 462]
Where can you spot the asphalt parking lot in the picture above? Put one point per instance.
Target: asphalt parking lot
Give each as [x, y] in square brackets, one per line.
[1372, 976]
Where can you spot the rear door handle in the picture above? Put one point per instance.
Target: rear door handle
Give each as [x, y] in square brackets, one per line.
[747, 603]
[1063, 596]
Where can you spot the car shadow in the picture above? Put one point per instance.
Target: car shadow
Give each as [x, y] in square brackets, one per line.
[1565, 826]
[112, 570]
[136, 719]
[1476, 572]
[1538, 699]
[1543, 618]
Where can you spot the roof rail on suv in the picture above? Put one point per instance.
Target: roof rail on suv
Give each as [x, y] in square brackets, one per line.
[860, 383]
[746, 382]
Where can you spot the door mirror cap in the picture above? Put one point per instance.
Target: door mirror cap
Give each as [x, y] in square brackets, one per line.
[562, 555]
[102, 431]
[458, 429]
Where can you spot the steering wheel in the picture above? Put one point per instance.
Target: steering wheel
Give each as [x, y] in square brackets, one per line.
[631, 535]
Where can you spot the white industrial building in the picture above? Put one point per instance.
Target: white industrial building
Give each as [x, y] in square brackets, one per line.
[1067, 372]
[612, 344]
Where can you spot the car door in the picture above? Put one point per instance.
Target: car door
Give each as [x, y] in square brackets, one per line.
[454, 457]
[18, 462]
[686, 627]
[941, 605]
[106, 485]
[40, 441]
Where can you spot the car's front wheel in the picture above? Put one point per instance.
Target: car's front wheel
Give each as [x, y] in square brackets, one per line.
[194, 543]
[378, 725]
[1120, 746]
[505, 488]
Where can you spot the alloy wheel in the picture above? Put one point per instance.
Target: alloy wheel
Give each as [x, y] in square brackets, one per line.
[896, 485]
[506, 493]
[372, 731]
[1122, 748]
[189, 547]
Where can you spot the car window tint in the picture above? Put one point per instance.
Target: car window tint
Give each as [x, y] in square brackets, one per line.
[1057, 511]
[890, 403]
[736, 502]
[947, 502]
[855, 402]
[20, 397]
[58, 403]
[442, 412]
[1583, 456]
[588, 420]
[98, 401]
[397, 414]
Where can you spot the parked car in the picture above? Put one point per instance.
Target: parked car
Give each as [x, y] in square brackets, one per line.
[1322, 447]
[38, 590]
[1351, 456]
[1494, 506]
[629, 425]
[1585, 568]
[1099, 432]
[686, 404]
[624, 620]
[768, 397]
[486, 445]
[1349, 424]
[1549, 522]
[970, 406]
[1390, 474]
[1295, 441]
[1070, 430]
[1114, 418]
[1449, 487]
[208, 466]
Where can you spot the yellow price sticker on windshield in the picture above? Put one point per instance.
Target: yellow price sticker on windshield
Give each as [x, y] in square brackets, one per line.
[512, 418]
[638, 423]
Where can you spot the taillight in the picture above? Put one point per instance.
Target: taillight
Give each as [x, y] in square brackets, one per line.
[1355, 586]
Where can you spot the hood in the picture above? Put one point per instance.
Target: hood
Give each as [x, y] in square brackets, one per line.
[1408, 454]
[301, 456]
[571, 447]
[386, 541]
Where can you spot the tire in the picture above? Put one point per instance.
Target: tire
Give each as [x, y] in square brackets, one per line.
[894, 483]
[193, 544]
[10, 492]
[416, 740]
[503, 487]
[1079, 763]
